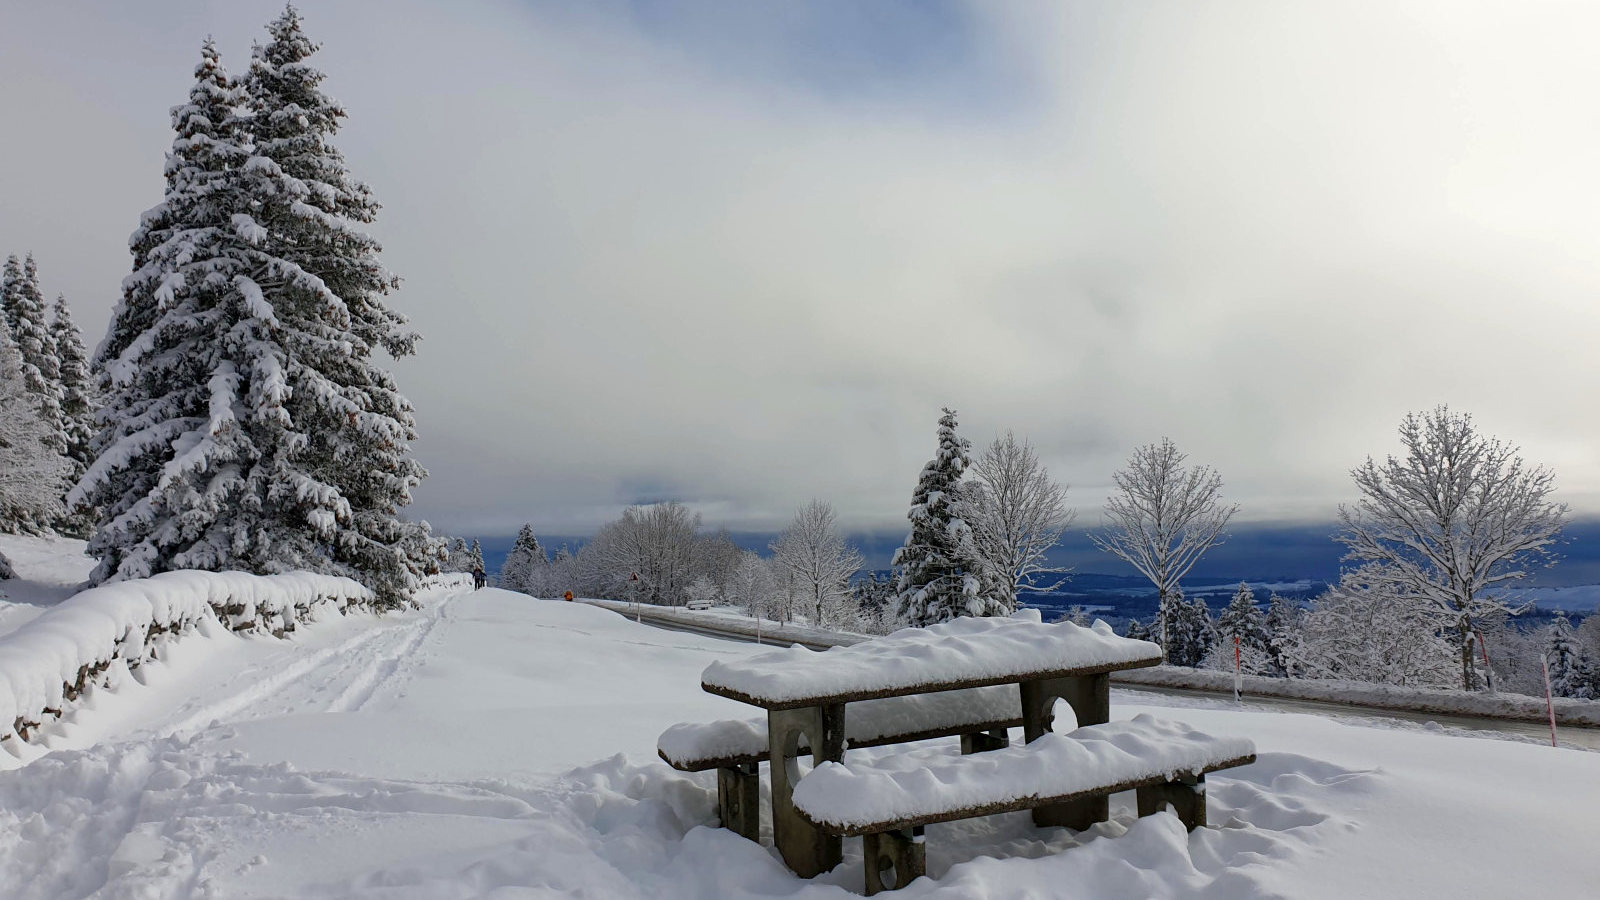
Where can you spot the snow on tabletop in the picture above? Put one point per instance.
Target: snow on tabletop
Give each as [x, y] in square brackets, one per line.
[900, 788]
[964, 650]
[113, 621]
[866, 722]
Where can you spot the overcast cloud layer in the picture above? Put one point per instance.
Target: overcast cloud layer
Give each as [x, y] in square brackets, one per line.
[742, 259]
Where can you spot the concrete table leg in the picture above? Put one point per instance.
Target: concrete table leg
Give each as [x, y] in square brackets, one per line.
[1090, 699]
[1186, 796]
[901, 853]
[739, 800]
[984, 741]
[806, 850]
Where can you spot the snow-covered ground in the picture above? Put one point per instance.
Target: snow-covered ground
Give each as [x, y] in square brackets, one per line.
[492, 744]
[49, 570]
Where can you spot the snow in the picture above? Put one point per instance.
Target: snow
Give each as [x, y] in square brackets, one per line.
[930, 783]
[491, 744]
[128, 622]
[1499, 704]
[866, 722]
[49, 570]
[967, 649]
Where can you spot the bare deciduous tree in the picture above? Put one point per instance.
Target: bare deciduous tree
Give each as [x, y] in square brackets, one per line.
[1163, 518]
[658, 543]
[1458, 516]
[817, 562]
[1372, 626]
[753, 587]
[1018, 515]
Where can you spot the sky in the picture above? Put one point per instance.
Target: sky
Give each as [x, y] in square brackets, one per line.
[741, 254]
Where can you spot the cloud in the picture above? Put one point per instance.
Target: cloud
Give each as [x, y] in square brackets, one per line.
[672, 253]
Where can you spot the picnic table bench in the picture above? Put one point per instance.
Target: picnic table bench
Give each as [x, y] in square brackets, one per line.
[975, 677]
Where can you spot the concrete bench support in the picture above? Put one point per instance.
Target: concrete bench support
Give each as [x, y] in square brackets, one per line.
[1187, 799]
[1090, 699]
[983, 741]
[808, 850]
[894, 858]
[739, 799]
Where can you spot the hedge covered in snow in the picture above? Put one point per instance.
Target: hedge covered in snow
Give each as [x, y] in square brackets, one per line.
[47, 663]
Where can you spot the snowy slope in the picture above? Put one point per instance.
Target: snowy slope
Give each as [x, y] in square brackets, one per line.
[432, 754]
[49, 570]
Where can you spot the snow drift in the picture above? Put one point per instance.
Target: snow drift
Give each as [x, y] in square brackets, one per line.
[47, 663]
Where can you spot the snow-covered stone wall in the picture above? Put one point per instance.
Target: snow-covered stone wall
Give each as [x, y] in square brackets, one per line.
[46, 664]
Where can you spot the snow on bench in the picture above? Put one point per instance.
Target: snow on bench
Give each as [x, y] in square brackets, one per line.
[52, 659]
[966, 652]
[901, 792]
[695, 747]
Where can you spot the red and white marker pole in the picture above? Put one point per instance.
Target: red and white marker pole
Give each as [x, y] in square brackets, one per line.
[1549, 704]
[1488, 670]
[1238, 675]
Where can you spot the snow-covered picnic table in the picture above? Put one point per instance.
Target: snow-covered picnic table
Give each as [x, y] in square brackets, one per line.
[806, 694]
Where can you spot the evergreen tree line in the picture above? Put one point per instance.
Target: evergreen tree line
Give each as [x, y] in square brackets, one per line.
[47, 406]
[245, 420]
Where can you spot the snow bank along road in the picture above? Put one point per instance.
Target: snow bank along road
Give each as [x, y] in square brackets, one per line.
[495, 745]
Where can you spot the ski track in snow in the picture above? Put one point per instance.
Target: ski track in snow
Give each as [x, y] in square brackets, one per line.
[355, 668]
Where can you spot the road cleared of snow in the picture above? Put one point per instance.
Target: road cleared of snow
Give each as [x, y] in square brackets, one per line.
[495, 745]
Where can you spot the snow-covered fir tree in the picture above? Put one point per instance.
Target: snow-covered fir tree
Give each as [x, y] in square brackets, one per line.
[1244, 620]
[247, 425]
[1190, 631]
[27, 318]
[32, 473]
[458, 555]
[1137, 631]
[524, 564]
[78, 400]
[942, 575]
[1283, 627]
[874, 600]
[1571, 672]
[477, 556]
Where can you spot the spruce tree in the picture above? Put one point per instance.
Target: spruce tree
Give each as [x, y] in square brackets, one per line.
[247, 426]
[32, 473]
[1137, 631]
[351, 424]
[1192, 633]
[30, 330]
[524, 563]
[1283, 627]
[1244, 620]
[1571, 674]
[477, 556]
[77, 387]
[458, 555]
[174, 461]
[942, 575]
